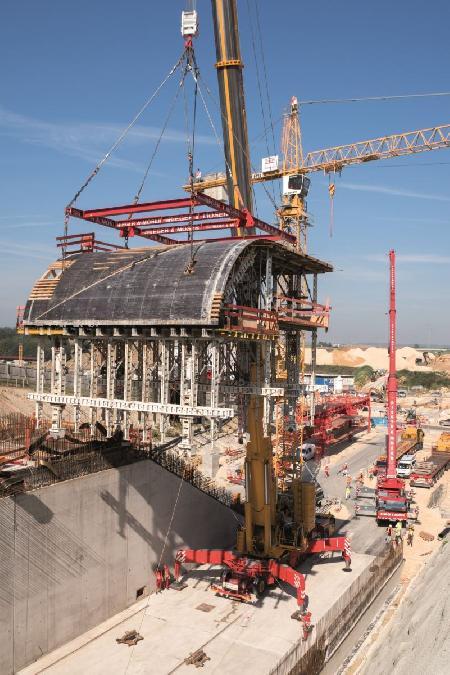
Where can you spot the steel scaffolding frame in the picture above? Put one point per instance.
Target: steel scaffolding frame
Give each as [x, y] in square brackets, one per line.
[133, 379]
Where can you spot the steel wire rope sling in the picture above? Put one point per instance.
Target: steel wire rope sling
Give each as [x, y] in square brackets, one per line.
[156, 148]
[169, 527]
[258, 79]
[208, 90]
[114, 146]
[192, 67]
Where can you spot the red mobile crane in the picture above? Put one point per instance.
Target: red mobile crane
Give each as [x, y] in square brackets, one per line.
[392, 501]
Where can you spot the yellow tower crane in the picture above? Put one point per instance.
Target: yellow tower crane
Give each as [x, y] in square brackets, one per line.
[292, 214]
[336, 158]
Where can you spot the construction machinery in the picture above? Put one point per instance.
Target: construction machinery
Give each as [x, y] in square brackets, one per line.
[280, 528]
[427, 472]
[334, 159]
[393, 502]
[391, 499]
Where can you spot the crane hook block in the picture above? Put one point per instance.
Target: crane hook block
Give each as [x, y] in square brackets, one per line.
[189, 24]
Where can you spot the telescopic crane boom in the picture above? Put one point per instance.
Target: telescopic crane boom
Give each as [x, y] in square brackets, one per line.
[391, 472]
[278, 529]
[232, 104]
[392, 501]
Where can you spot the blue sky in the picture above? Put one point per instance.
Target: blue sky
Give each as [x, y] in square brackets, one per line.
[74, 74]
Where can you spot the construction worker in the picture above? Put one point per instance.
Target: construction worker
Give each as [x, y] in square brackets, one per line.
[159, 580]
[410, 534]
[166, 574]
[348, 492]
[307, 627]
[398, 532]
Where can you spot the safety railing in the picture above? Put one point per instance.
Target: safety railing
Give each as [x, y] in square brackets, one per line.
[251, 320]
[84, 243]
[302, 312]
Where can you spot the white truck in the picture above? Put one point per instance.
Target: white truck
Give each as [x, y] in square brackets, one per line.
[405, 466]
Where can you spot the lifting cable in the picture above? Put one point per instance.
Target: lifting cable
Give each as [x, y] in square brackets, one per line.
[222, 147]
[258, 79]
[158, 567]
[263, 59]
[115, 145]
[192, 67]
[331, 192]
[374, 98]
[156, 148]
[240, 146]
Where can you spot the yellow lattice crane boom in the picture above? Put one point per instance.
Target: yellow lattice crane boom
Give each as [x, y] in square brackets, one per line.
[291, 141]
[336, 158]
[291, 213]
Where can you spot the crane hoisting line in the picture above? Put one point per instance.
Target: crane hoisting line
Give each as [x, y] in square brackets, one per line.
[374, 98]
[116, 144]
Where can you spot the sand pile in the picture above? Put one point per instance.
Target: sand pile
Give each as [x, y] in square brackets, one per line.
[376, 357]
[15, 400]
[442, 363]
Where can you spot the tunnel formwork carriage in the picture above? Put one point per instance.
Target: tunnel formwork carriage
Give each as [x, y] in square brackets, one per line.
[171, 331]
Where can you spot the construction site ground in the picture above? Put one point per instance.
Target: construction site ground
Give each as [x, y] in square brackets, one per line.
[248, 638]
[251, 637]
[172, 626]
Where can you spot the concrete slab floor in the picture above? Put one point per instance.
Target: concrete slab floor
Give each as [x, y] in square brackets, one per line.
[248, 638]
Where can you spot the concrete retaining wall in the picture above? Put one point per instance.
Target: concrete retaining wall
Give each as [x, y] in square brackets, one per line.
[308, 658]
[75, 553]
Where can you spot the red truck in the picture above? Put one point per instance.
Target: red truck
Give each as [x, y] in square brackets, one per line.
[426, 473]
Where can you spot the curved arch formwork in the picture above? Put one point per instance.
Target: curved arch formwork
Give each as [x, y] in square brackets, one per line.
[145, 334]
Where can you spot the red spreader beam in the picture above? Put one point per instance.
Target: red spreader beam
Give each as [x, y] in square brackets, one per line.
[221, 217]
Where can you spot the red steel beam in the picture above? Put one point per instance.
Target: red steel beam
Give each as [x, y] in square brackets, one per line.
[109, 222]
[266, 237]
[78, 213]
[159, 238]
[275, 231]
[174, 229]
[139, 208]
[176, 218]
[243, 216]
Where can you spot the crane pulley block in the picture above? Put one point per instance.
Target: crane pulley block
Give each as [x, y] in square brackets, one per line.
[189, 24]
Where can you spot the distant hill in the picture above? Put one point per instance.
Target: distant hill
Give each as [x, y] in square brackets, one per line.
[9, 343]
